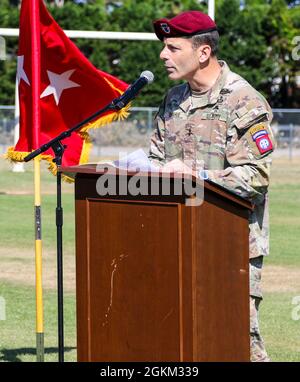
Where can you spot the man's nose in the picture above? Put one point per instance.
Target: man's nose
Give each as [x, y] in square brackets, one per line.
[163, 54]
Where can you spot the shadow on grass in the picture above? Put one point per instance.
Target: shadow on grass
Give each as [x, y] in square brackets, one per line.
[12, 355]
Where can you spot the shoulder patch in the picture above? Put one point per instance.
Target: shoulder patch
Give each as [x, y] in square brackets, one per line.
[260, 136]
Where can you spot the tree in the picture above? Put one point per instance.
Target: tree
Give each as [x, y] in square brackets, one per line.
[127, 59]
[280, 31]
[9, 18]
[257, 43]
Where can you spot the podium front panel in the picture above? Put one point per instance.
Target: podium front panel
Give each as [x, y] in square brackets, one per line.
[157, 280]
[133, 308]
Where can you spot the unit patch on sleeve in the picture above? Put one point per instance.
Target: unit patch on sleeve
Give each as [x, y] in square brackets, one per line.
[260, 136]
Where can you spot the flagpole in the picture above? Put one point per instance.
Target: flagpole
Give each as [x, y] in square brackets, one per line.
[38, 262]
[35, 60]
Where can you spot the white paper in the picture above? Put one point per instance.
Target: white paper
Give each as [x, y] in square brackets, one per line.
[136, 161]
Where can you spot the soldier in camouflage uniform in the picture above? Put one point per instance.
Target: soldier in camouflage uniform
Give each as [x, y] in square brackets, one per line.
[218, 122]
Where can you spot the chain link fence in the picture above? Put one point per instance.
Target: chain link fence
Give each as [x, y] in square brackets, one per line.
[286, 126]
[135, 132]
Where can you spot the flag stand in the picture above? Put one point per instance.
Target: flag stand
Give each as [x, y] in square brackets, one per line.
[36, 54]
[59, 149]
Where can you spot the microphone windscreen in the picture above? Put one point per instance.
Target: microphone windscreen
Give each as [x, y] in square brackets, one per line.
[148, 75]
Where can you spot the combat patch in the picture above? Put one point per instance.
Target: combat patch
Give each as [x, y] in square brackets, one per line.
[260, 136]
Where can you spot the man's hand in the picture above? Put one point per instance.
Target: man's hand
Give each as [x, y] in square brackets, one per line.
[178, 166]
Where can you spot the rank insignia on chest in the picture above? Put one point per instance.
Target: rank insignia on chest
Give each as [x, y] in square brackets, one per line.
[261, 137]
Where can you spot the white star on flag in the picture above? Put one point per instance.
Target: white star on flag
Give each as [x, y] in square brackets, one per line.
[21, 75]
[58, 83]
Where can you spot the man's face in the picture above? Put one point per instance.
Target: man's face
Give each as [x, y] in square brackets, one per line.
[181, 60]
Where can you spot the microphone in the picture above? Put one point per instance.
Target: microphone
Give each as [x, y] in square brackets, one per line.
[145, 78]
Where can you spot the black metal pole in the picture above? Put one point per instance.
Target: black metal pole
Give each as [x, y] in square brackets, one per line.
[58, 149]
[60, 301]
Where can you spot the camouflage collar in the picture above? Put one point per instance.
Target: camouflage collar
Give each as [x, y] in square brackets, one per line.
[208, 98]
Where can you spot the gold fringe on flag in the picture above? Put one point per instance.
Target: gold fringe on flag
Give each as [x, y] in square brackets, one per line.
[17, 156]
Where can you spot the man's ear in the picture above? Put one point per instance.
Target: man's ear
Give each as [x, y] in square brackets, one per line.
[204, 53]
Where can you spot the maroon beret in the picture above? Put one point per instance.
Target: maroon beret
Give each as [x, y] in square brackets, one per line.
[185, 24]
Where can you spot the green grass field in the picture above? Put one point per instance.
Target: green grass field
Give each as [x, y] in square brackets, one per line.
[281, 276]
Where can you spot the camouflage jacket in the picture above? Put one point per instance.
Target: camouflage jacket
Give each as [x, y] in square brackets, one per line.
[226, 131]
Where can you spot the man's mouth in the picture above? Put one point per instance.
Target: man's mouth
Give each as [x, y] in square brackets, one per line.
[170, 68]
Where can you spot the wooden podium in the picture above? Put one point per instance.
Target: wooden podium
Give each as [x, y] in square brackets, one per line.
[157, 280]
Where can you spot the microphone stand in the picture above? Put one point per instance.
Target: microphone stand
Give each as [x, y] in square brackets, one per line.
[58, 149]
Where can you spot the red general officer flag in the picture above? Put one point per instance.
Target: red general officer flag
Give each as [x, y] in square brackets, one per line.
[58, 88]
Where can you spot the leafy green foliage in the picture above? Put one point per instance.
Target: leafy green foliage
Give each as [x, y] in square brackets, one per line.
[257, 41]
[9, 18]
